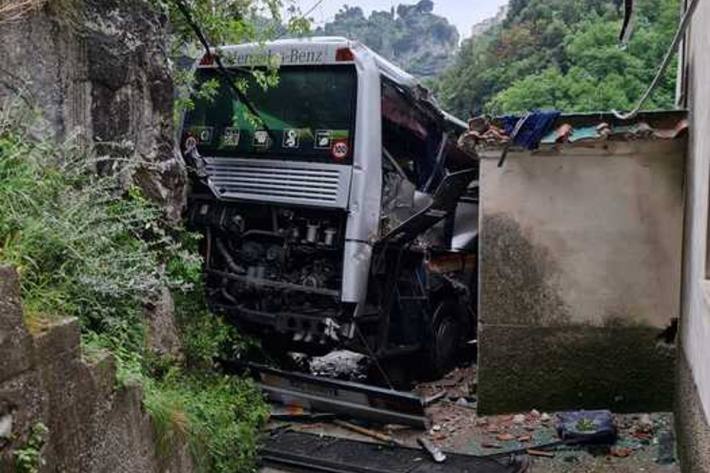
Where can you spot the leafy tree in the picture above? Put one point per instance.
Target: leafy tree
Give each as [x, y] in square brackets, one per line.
[562, 54]
[225, 22]
[412, 36]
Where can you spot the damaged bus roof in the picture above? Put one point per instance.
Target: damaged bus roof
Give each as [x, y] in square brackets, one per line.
[326, 50]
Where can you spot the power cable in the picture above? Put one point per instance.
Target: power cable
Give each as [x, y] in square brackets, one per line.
[310, 10]
[685, 21]
[313, 8]
[187, 14]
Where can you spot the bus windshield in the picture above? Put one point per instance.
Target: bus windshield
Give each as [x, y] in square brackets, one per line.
[310, 114]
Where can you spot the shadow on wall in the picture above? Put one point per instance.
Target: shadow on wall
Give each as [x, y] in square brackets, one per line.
[516, 275]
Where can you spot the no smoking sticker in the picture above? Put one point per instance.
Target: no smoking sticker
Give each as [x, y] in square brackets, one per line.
[340, 150]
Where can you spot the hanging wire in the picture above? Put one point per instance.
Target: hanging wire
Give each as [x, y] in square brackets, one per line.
[313, 8]
[685, 21]
[187, 14]
[308, 12]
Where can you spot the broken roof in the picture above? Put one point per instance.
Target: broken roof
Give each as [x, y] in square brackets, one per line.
[590, 127]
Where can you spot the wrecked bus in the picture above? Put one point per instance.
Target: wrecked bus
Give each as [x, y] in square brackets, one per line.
[343, 215]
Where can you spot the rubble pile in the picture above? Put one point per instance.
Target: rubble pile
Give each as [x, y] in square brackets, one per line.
[640, 442]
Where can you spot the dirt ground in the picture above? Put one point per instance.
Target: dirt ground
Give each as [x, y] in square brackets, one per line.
[456, 427]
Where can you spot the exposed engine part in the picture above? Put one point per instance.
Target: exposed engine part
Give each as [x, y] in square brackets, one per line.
[252, 251]
[276, 254]
[330, 234]
[279, 261]
[312, 235]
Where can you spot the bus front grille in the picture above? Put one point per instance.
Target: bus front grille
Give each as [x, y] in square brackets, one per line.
[286, 182]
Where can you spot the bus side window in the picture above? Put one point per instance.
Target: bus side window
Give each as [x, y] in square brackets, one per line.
[409, 135]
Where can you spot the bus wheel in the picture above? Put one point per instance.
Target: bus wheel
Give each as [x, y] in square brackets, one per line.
[446, 335]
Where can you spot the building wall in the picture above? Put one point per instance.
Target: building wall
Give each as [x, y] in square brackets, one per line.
[691, 424]
[694, 385]
[580, 274]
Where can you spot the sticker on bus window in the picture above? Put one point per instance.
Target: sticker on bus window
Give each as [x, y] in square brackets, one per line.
[324, 139]
[230, 137]
[261, 139]
[292, 139]
[340, 150]
[203, 134]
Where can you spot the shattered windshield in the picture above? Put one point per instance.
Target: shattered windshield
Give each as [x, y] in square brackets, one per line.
[309, 114]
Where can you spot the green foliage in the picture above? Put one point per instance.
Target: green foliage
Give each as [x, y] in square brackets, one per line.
[217, 415]
[410, 35]
[29, 458]
[205, 336]
[82, 246]
[85, 247]
[88, 246]
[562, 54]
[226, 22]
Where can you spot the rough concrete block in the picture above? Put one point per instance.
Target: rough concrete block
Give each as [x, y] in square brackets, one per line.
[24, 398]
[580, 258]
[61, 341]
[103, 373]
[15, 341]
[162, 334]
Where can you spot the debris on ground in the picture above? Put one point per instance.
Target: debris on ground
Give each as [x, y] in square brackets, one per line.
[344, 398]
[341, 364]
[551, 442]
[367, 432]
[298, 451]
[458, 384]
[436, 454]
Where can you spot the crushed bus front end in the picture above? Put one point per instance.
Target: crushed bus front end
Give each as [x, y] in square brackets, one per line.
[336, 208]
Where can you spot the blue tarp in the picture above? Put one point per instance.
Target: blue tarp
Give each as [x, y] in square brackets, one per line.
[587, 426]
[533, 127]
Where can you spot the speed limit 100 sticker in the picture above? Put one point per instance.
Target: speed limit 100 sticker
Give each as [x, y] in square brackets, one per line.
[340, 150]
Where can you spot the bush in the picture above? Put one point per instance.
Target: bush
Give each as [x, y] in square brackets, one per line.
[217, 415]
[83, 246]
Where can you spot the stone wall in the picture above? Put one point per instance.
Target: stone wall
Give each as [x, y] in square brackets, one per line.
[98, 73]
[580, 256]
[98, 70]
[94, 426]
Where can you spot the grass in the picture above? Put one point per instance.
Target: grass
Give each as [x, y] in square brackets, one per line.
[217, 415]
[13, 10]
[87, 246]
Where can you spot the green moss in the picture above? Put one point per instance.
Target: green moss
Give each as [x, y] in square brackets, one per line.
[28, 459]
[623, 369]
